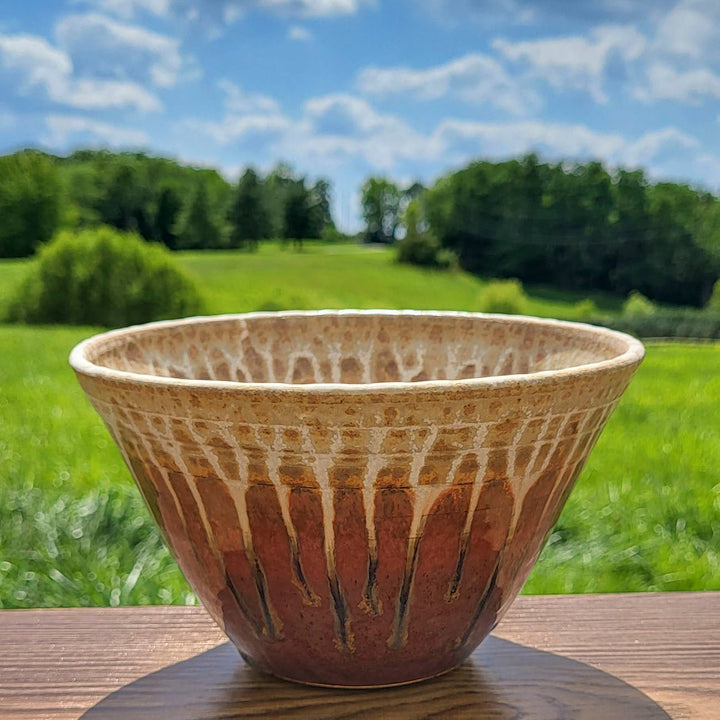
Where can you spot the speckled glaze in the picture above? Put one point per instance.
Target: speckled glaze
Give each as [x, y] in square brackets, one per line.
[356, 497]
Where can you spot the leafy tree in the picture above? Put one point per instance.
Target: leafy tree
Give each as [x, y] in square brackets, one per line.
[278, 184]
[678, 268]
[629, 228]
[248, 214]
[579, 227]
[380, 200]
[167, 212]
[30, 202]
[296, 212]
[197, 228]
[124, 202]
[321, 219]
[413, 192]
[138, 192]
[420, 246]
[158, 198]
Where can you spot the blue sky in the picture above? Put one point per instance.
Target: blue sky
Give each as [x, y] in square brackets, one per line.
[351, 88]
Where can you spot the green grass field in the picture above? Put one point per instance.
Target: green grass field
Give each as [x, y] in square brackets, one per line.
[74, 531]
[331, 276]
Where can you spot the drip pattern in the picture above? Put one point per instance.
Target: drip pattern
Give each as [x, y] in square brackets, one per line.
[355, 538]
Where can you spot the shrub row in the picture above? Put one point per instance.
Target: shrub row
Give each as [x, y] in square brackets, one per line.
[689, 324]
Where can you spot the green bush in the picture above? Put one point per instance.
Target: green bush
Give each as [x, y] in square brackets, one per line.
[420, 246]
[585, 310]
[637, 304]
[103, 277]
[690, 324]
[423, 248]
[713, 304]
[503, 296]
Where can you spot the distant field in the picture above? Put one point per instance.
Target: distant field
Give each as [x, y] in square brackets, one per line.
[331, 276]
[73, 530]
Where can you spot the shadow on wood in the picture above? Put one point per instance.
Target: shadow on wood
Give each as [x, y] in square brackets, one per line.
[502, 681]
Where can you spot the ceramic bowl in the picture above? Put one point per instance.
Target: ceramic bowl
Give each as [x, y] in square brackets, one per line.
[356, 496]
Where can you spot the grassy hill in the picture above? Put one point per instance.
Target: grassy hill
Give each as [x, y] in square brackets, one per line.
[332, 276]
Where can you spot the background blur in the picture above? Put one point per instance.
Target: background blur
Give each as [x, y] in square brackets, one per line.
[345, 89]
[161, 158]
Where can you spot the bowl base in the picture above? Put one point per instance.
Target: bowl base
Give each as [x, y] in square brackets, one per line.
[335, 686]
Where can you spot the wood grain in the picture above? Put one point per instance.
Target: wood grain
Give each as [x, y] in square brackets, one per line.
[583, 657]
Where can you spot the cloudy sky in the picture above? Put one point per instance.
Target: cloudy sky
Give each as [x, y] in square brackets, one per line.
[350, 88]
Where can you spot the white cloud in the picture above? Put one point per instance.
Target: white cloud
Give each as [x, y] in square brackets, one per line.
[33, 61]
[306, 8]
[330, 130]
[473, 78]
[465, 139]
[235, 128]
[105, 47]
[129, 8]
[656, 143]
[94, 94]
[65, 130]
[680, 62]
[690, 29]
[31, 67]
[299, 33]
[340, 126]
[344, 132]
[664, 82]
[238, 102]
[227, 11]
[576, 62]
[245, 114]
[664, 153]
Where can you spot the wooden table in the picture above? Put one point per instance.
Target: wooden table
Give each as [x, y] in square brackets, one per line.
[582, 657]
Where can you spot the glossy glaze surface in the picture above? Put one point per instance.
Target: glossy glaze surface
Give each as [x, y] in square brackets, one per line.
[356, 497]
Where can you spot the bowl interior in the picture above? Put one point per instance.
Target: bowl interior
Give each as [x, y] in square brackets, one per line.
[352, 347]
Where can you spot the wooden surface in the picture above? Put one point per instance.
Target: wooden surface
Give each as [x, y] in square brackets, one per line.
[586, 657]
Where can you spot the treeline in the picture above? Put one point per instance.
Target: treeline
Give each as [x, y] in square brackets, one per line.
[181, 207]
[577, 227]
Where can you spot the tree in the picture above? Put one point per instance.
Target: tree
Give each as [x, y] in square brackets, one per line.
[679, 268]
[579, 227]
[126, 195]
[320, 213]
[248, 214]
[167, 212]
[30, 202]
[197, 228]
[277, 185]
[296, 212]
[380, 200]
[630, 224]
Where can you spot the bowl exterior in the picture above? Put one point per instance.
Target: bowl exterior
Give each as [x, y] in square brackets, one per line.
[357, 539]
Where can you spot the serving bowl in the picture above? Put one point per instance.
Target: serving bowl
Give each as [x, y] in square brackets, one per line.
[356, 496]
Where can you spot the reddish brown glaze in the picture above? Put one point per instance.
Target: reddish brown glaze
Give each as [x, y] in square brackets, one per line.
[372, 529]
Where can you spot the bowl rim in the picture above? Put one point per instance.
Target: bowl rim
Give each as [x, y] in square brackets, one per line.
[632, 355]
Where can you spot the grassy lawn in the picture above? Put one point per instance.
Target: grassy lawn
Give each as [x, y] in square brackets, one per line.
[331, 276]
[645, 514]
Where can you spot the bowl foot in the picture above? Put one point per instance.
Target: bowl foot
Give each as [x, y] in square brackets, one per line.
[352, 686]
